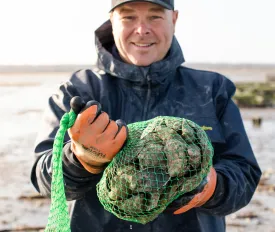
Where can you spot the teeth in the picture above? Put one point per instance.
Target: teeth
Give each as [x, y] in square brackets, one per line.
[143, 45]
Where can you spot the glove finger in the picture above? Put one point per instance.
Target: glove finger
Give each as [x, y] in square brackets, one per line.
[191, 204]
[184, 209]
[200, 187]
[100, 124]
[119, 140]
[120, 124]
[91, 103]
[202, 193]
[179, 202]
[186, 198]
[110, 132]
[77, 104]
[83, 120]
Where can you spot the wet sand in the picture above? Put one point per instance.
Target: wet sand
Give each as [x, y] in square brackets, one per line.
[22, 209]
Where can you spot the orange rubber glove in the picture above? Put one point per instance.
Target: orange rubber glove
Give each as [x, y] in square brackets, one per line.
[197, 197]
[95, 139]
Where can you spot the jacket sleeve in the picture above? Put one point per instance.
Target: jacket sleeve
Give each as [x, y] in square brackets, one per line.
[238, 172]
[77, 180]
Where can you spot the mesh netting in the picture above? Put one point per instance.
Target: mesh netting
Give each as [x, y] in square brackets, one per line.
[162, 159]
[58, 220]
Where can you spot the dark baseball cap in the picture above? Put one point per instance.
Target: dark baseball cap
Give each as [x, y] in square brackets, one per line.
[168, 4]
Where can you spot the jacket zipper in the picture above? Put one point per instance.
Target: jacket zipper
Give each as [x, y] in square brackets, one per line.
[146, 105]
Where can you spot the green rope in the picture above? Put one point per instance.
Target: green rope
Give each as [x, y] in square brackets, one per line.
[58, 220]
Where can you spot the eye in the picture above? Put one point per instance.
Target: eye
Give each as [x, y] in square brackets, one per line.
[155, 17]
[129, 18]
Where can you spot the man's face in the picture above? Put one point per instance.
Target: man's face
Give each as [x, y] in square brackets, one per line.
[143, 32]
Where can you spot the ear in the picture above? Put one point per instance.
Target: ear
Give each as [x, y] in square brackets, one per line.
[175, 18]
[111, 16]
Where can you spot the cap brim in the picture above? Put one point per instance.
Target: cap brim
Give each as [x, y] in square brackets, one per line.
[160, 3]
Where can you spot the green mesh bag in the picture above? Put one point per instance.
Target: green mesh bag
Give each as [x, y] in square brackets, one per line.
[58, 219]
[162, 159]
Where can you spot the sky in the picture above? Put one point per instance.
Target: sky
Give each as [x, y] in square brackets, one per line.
[45, 32]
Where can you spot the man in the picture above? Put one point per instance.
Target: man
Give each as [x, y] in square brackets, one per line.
[141, 77]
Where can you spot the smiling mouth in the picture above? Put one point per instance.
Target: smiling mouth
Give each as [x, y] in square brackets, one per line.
[143, 45]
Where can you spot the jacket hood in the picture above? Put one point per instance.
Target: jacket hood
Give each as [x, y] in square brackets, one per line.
[156, 72]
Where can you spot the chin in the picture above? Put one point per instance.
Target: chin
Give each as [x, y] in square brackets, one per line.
[142, 62]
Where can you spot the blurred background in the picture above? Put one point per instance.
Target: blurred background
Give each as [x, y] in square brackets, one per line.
[43, 42]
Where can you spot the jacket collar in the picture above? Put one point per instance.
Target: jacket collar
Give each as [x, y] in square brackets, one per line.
[111, 63]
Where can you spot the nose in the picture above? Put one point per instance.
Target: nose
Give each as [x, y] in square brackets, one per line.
[143, 29]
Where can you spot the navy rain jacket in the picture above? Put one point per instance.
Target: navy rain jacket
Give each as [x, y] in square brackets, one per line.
[134, 94]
